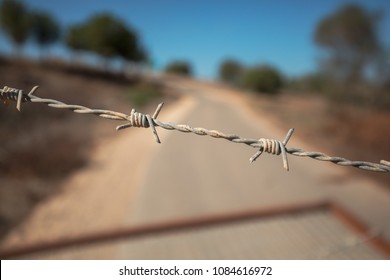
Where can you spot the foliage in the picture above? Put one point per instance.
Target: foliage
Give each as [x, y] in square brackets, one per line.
[230, 71]
[76, 38]
[356, 67]
[350, 36]
[102, 32]
[15, 21]
[106, 36]
[126, 43]
[179, 67]
[313, 82]
[44, 27]
[262, 78]
[383, 67]
[143, 94]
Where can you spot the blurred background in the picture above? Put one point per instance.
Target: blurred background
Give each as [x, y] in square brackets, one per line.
[253, 68]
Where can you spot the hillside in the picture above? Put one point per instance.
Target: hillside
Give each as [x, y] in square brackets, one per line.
[42, 146]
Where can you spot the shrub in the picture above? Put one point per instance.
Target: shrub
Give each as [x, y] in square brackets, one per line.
[179, 67]
[262, 79]
[142, 94]
[313, 82]
[230, 71]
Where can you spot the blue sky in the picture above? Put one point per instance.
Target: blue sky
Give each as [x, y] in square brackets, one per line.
[204, 32]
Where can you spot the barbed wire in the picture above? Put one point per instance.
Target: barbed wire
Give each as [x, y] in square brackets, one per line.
[136, 119]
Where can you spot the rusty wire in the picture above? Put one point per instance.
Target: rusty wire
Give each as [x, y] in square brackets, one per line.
[136, 119]
[367, 235]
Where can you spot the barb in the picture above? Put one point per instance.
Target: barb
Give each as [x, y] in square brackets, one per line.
[274, 147]
[141, 120]
[136, 119]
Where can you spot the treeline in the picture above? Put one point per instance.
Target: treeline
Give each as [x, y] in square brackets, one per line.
[101, 34]
[354, 62]
[260, 78]
[179, 67]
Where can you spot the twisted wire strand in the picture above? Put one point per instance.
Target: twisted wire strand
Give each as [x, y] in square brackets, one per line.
[136, 119]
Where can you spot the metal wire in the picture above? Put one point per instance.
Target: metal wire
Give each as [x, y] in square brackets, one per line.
[136, 119]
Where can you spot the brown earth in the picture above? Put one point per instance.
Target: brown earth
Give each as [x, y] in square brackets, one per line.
[42, 146]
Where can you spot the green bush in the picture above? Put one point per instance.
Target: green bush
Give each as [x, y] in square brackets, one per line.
[313, 82]
[179, 67]
[262, 79]
[230, 71]
[142, 94]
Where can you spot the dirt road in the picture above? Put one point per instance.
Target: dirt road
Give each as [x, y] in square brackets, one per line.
[133, 181]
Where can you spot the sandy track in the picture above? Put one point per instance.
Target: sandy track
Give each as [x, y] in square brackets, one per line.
[196, 176]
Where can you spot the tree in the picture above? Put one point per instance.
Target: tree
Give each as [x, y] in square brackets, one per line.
[15, 21]
[76, 38]
[108, 37]
[350, 36]
[230, 71]
[262, 78]
[179, 67]
[45, 29]
[383, 67]
[127, 45]
[101, 32]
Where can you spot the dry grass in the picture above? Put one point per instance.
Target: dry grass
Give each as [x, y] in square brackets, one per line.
[339, 129]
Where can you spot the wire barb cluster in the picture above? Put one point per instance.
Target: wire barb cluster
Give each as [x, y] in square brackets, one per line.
[136, 119]
[274, 147]
[13, 94]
